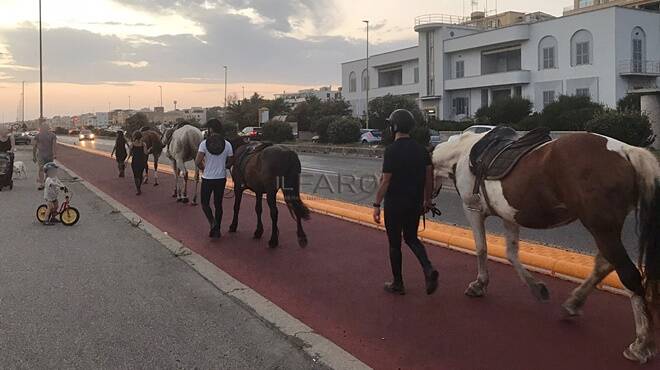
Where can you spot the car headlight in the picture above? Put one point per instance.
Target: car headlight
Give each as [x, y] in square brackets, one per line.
[91, 135]
[82, 136]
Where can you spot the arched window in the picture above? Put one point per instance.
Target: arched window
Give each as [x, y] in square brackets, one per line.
[365, 80]
[582, 46]
[638, 50]
[548, 53]
[352, 82]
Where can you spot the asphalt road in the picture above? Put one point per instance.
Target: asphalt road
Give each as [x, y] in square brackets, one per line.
[354, 180]
[103, 294]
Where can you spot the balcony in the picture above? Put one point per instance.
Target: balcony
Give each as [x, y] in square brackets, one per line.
[434, 20]
[487, 80]
[643, 68]
[506, 35]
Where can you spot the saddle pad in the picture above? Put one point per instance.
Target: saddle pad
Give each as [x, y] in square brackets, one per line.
[508, 157]
[492, 143]
[248, 150]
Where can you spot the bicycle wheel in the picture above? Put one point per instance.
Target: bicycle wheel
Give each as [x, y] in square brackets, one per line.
[41, 213]
[70, 216]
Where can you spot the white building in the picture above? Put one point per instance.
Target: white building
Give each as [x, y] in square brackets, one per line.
[460, 66]
[102, 119]
[324, 93]
[195, 113]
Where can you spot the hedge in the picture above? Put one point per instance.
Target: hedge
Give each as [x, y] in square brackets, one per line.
[344, 130]
[277, 132]
[630, 127]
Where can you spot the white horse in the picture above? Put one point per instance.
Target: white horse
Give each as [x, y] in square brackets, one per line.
[182, 144]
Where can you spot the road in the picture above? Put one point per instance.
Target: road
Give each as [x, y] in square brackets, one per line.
[105, 295]
[322, 174]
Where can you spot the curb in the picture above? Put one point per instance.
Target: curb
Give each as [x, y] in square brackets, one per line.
[318, 348]
[550, 261]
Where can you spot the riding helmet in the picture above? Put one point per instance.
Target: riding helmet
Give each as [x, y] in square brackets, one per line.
[401, 120]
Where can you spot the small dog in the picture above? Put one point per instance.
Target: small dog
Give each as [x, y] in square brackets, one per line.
[20, 172]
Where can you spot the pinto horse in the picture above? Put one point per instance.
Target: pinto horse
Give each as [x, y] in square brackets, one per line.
[182, 143]
[154, 146]
[582, 176]
[264, 169]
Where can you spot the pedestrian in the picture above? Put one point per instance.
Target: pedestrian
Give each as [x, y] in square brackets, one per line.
[215, 154]
[406, 186]
[52, 187]
[8, 145]
[120, 152]
[138, 152]
[44, 150]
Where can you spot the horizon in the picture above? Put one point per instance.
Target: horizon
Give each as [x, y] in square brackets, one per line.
[113, 49]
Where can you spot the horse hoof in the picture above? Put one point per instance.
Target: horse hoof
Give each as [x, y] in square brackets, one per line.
[156, 184]
[570, 311]
[258, 234]
[302, 242]
[540, 292]
[173, 195]
[185, 200]
[193, 203]
[273, 243]
[640, 353]
[476, 289]
[233, 228]
[179, 200]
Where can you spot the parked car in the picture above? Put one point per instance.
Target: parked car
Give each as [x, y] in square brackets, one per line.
[86, 135]
[371, 136]
[476, 129]
[435, 138]
[252, 133]
[23, 138]
[74, 132]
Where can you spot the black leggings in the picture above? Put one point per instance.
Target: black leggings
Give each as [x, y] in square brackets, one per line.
[402, 217]
[217, 188]
[138, 174]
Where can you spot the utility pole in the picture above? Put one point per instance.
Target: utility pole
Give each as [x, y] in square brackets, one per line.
[129, 102]
[23, 105]
[225, 67]
[41, 73]
[243, 92]
[161, 95]
[368, 80]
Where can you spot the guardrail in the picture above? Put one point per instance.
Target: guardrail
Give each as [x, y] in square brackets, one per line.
[442, 18]
[641, 67]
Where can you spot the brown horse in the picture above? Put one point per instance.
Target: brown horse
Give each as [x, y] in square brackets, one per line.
[586, 177]
[153, 142]
[265, 168]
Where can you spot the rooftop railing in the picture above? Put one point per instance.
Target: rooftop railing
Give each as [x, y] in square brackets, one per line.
[441, 18]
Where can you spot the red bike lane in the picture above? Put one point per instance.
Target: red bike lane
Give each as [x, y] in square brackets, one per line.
[335, 287]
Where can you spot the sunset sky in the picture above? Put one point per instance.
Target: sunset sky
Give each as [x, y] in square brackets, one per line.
[99, 52]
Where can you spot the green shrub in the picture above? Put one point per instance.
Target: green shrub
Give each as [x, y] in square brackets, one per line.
[450, 125]
[344, 130]
[381, 108]
[630, 127]
[506, 111]
[320, 127]
[629, 103]
[421, 135]
[528, 123]
[570, 113]
[277, 132]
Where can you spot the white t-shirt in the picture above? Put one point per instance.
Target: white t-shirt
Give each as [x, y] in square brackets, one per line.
[215, 166]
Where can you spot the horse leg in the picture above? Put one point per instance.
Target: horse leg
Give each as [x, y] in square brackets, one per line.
[185, 184]
[194, 202]
[271, 198]
[176, 178]
[573, 306]
[478, 287]
[302, 237]
[238, 195]
[156, 158]
[258, 208]
[539, 290]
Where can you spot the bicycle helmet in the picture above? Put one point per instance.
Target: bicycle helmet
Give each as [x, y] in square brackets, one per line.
[50, 166]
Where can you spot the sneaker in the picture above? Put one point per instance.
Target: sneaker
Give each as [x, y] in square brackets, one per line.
[432, 282]
[395, 288]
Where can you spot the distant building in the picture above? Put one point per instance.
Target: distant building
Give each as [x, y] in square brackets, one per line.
[195, 113]
[580, 6]
[102, 119]
[323, 94]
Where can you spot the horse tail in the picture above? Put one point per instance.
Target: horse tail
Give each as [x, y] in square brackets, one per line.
[291, 188]
[647, 170]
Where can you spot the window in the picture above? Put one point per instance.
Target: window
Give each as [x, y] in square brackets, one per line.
[581, 48]
[582, 53]
[460, 69]
[416, 75]
[582, 92]
[352, 82]
[390, 77]
[517, 91]
[638, 50]
[548, 53]
[460, 106]
[484, 97]
[548, 98]
[430, 63]
[365, 80]
[502, 60]
[585, 3]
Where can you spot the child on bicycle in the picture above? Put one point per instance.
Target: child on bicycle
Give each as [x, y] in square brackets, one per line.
[52, 187]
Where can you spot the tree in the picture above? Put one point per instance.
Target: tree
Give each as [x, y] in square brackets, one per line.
[313, 109]
[278, 132]
[630, 103]
[136, 122]
[381, 108]
[632, 128]
[213, 112]
[277, 107]
[507, 111]
[570, 113]
[321, 127]
[344, 130]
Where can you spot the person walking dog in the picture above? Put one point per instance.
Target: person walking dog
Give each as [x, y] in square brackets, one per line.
[406, 186]
[215, 154]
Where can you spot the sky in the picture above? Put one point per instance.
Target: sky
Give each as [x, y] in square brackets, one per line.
[97, 53]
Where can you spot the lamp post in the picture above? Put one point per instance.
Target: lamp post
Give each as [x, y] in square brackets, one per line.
[368, 80]
[225, 67]
[161, 95]
[41, 74]
[129, 102]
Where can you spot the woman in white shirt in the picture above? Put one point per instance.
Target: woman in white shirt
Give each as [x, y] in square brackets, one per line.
[212, 158]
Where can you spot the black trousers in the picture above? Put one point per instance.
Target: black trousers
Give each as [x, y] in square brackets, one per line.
[402, 217]
[138, 173]
[217, 189]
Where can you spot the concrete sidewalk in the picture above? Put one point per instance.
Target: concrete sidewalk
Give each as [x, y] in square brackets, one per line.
[103, 294]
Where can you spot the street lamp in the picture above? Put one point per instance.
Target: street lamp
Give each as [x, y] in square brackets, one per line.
[161, 95]
[368, 80]
[225, 67]
[41, 74]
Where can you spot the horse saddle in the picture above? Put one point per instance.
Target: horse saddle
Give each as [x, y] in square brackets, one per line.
[250, 149]
[496, 154]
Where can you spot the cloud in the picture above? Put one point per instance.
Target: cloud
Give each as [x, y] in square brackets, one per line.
[122, 63]
[123, 24]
